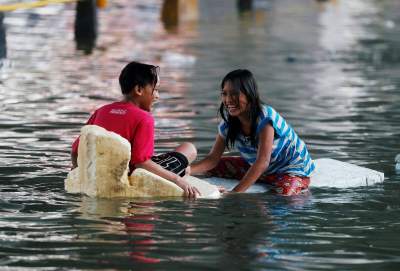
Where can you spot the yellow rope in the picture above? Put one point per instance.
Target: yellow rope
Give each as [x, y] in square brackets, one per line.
[36, 4]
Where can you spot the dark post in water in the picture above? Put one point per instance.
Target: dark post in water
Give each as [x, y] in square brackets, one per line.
[170, 14]
[3, 47]
[86, 25]
[245, 5]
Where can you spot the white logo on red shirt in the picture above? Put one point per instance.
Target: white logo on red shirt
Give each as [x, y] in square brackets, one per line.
[118, 111]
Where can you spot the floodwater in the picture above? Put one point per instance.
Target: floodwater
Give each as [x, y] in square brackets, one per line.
[332, 68]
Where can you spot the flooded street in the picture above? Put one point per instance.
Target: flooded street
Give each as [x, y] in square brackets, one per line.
[331, 68]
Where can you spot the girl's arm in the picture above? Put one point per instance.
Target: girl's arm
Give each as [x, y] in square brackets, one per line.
[212, 159]
[262, 161]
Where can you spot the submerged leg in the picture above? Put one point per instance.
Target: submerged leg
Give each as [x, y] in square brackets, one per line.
[286, 185]
[230, 167]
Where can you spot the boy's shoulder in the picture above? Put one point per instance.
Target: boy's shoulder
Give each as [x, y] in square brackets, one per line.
[124, 108]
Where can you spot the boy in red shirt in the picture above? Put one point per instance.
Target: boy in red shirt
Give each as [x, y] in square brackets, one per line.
[131, 118]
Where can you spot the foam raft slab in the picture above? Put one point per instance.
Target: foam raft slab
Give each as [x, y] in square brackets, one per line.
[334, 173]
[102, 171]
[328, 173]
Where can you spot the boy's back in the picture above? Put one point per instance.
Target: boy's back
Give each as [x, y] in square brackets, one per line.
[129, 121]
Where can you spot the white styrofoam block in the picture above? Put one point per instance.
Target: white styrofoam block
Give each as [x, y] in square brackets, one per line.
[397, 160]
[328, 173]
[334, 173]
[229, 184]
[102, 171]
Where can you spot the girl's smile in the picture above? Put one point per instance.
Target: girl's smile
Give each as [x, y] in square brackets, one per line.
[235, 103]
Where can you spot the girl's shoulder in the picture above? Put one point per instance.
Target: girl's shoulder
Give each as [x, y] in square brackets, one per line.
[267, 111]
[222, 125]
[222, 128]
[269, 115]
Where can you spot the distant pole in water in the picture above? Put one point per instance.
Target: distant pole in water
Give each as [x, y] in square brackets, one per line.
[245, 5]
[174, 12]
[101, 3]
[170, 13]
[3, 47]
[86, 25]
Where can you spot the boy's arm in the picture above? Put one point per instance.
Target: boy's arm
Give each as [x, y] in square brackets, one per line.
[74, 160]
[149, 165]
[74, 150]
[74, 153]
[211, 160]
[262, 161]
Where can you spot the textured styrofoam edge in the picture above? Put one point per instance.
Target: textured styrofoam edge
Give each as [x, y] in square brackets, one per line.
[334, 173]
[100, 131]
[397, 166]
[208, 191]
[169, 189]
[328, 173]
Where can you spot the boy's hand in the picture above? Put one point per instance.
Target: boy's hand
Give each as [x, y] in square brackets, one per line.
[190, 191]
[221, 189]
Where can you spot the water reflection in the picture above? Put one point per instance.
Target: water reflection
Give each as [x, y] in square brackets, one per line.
[86, 25]
[254, 231]
[140, 229]
[238, 235]
[352, 93]
[152, 235]
[135, 220]
[247, 220]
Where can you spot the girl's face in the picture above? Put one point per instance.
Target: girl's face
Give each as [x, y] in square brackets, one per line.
[236, 105]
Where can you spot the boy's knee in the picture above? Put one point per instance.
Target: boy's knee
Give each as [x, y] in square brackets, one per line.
[189, 150]
[192, 151]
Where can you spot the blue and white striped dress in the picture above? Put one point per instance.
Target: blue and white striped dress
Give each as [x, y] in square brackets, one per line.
[289, 152]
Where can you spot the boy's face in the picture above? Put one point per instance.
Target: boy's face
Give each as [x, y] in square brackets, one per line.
[148, 97]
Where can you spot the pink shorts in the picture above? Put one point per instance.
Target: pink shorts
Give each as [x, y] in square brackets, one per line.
[235, 167]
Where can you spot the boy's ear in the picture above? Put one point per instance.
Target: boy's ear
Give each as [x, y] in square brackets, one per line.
[137, 90]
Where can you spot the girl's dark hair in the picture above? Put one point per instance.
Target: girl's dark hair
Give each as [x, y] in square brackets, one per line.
[241, 80]
[137, 74]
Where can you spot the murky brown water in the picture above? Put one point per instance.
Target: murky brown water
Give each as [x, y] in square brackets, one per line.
[332, 69]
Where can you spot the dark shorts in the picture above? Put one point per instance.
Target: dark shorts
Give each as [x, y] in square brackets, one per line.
[175, 162]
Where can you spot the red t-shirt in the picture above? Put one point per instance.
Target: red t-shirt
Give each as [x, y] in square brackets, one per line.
[130, 122]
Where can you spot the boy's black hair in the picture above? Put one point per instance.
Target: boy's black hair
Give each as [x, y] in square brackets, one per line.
[137, 74]
[242, 80]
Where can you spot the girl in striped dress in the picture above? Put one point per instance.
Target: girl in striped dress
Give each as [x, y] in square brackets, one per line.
[270, 150]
